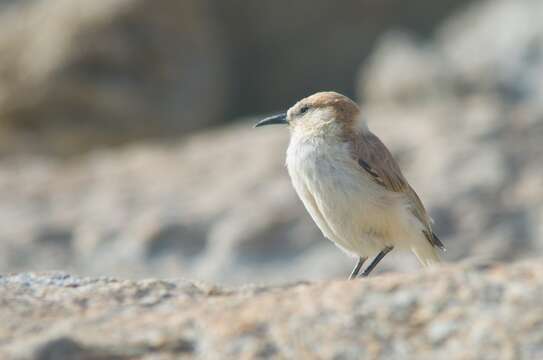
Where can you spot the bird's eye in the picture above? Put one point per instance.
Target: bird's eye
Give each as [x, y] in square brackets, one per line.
[304, 109]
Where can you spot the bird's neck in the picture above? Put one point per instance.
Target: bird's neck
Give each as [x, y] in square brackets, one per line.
[328, 133]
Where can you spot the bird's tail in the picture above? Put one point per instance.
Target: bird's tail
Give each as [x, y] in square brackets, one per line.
[427, 255]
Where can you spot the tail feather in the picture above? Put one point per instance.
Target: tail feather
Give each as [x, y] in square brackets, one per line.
[433, 239]
[427, 255]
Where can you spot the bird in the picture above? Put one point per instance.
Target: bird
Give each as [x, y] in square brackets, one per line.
[351, 185]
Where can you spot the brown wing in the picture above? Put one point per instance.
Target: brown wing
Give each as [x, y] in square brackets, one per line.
[373, 156]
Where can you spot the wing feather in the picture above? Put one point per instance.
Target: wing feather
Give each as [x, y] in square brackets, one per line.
[373, 156]
[377, 161]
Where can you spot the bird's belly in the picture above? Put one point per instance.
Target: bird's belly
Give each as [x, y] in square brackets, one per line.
[362, 220]
[351, 210]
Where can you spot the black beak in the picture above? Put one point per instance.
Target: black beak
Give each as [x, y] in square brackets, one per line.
[275, 119]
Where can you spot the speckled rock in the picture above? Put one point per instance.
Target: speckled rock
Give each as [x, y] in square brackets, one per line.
[488, 311]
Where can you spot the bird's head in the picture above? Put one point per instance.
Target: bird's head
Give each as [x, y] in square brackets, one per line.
[321, 114]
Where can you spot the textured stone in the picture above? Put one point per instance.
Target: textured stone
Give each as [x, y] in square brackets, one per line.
[451, 312]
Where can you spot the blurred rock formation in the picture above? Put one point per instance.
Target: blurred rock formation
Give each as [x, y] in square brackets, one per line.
[462, 112]
[80, 74]
[465, 113]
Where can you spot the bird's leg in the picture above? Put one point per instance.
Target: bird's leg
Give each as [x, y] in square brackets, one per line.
[375, 261]
[357, 268]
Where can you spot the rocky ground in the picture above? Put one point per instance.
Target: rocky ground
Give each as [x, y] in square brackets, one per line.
[478, 312]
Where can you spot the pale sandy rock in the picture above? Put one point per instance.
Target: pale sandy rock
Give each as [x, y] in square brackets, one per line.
[482, 312]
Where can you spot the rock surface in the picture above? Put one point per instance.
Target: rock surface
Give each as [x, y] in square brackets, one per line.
[485, 312]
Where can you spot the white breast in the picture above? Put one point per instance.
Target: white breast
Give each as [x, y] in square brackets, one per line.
[348, 207]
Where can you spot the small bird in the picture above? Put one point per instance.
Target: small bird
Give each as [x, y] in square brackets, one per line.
[351, 185]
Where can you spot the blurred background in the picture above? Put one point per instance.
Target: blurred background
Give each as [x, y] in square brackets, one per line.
[127, 148]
